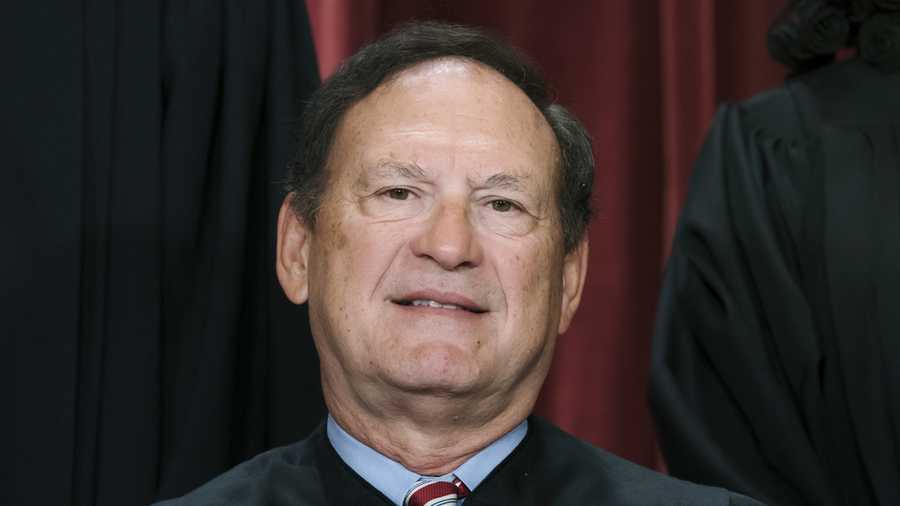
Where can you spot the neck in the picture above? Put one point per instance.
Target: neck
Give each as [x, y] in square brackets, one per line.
[429, 435]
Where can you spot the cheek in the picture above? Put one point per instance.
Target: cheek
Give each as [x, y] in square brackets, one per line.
[531, 279]
[536, 263]
[371, 249]
[336, 238]
[355, 257]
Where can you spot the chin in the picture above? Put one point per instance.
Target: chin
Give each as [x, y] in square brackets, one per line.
[436, 370]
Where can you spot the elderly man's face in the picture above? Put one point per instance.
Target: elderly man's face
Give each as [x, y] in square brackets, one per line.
[436, 264]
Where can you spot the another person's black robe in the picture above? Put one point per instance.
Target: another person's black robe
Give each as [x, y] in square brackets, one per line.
[145, 343]
[776, 361]
[549, 467]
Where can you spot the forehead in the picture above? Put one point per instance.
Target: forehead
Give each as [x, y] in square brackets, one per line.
[444, 111]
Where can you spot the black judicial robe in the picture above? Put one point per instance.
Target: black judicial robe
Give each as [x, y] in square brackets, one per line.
[145, 342]
[776, 360]
[549, 467]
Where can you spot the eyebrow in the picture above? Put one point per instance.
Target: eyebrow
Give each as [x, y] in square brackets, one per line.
[392, 168]
[387, 169]
[500, 180]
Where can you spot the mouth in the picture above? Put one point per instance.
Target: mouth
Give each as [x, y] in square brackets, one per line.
[444, 301]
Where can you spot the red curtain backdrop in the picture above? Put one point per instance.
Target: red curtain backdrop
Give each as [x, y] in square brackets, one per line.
[645, 76]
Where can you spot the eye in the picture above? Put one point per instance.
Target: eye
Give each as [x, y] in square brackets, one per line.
[398, 193]
[502, 206]
[504, 216]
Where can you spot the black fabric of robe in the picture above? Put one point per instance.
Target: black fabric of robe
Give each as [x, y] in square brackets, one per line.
[549, 467]
[148, 344]
[776, 361]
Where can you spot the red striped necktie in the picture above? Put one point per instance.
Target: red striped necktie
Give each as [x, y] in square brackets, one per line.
[436, 493]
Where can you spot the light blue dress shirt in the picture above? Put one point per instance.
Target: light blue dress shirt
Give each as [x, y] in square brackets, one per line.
[393, 480]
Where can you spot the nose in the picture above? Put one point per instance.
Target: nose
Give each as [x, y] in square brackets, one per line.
[449, 239]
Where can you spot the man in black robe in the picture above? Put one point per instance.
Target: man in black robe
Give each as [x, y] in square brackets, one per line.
[436, 227]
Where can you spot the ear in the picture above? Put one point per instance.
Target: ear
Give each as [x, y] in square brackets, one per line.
[292, 253]
[574, 272]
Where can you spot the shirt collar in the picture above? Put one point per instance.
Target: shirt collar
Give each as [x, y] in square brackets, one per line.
[393, 480]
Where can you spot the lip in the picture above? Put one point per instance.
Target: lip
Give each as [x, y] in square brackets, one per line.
[453, 298]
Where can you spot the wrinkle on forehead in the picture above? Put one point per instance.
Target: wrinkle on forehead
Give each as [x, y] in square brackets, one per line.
[497, 94]
[425, 73]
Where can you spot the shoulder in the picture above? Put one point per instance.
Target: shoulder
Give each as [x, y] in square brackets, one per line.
[579, 472]
[846, 93]
[285, 475]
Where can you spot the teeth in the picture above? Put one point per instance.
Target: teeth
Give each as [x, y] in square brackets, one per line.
[432, 303]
